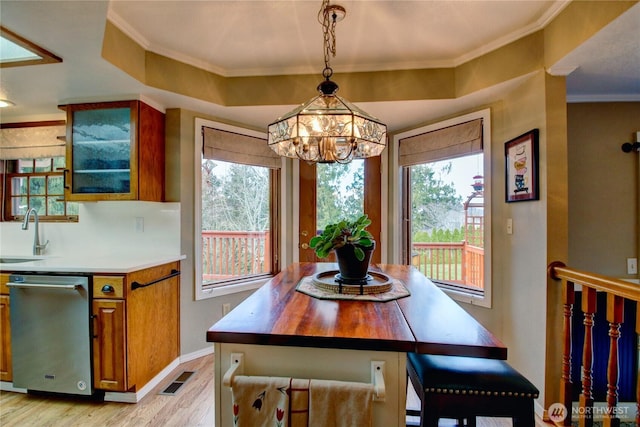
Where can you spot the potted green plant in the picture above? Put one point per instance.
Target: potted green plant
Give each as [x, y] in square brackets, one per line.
[352, 243]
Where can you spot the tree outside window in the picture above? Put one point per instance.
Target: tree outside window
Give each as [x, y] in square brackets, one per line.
[235, 221]
[447, 221]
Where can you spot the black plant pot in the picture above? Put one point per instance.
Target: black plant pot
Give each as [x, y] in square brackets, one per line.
[349, 266]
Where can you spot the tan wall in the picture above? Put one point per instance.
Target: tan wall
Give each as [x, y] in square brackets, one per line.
[603, 187]
[519, 259]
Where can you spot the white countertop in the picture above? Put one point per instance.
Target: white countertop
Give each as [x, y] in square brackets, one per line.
[110, 263]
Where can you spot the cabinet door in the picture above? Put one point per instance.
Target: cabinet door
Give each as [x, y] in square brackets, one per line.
[109, 345]
[6, 373]
[102, 151]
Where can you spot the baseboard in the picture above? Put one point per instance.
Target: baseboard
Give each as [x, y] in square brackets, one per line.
[128, 397]
[538, 409]
[111, 396]
[196, 354]
[8, 386]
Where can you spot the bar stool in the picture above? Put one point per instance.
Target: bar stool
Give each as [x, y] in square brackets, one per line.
[466, 387]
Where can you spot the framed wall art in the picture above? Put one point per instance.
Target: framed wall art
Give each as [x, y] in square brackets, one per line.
[522, 181]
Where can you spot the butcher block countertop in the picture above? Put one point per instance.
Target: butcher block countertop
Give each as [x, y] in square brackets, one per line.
[110, 263]
[427, 321]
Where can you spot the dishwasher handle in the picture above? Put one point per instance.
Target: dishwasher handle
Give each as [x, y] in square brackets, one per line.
[42, 286]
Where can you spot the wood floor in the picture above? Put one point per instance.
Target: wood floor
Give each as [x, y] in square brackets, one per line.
[192, 406]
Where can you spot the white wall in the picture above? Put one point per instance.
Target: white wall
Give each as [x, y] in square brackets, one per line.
[102, 228]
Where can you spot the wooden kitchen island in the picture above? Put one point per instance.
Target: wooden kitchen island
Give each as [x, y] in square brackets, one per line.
[283, 332]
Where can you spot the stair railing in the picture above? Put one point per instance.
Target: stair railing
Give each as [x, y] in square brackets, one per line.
[617, 291]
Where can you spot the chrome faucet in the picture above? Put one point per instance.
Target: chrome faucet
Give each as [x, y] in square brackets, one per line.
[38, 249]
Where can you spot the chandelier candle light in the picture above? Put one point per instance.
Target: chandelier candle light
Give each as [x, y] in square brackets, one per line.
[328, 128]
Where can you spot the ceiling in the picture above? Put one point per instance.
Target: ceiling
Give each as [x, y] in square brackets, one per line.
[269, 37]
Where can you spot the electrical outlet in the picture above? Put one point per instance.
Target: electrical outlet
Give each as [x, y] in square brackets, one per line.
[509, 226]
[226, 308]
[632, 265]
[139, 224]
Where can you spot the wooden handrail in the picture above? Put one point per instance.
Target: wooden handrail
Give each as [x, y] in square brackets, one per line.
[557, 271]
[616, 291]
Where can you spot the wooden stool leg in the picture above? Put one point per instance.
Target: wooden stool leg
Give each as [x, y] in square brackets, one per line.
[471, 421]
[428, 418]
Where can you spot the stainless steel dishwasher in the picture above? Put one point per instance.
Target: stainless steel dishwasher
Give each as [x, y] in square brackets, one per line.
[50, 337]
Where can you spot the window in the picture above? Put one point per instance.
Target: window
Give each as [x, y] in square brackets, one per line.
[39, 184]
[238, 238]
[446, 205]
[339, 192]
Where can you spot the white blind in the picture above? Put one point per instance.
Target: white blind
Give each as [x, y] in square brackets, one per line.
[446, 143]
[237, 148]
[31, 142]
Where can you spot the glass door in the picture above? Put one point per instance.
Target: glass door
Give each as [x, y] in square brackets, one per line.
[103, 150]
[331, 192]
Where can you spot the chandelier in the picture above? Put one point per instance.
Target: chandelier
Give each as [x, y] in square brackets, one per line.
[328, 128]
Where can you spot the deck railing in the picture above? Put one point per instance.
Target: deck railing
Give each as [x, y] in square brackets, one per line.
[617, 291]
[227, 254]
[458, 263]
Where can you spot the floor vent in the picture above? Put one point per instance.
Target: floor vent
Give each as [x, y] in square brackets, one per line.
[173, 388]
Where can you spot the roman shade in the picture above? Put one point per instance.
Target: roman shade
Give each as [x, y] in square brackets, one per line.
[34, 142]
[237, 148]
[446, 143]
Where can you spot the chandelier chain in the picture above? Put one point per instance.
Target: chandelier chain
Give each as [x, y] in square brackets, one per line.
[328, 18]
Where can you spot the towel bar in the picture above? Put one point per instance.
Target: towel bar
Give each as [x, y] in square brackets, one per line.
[377, 375]
[235, 368]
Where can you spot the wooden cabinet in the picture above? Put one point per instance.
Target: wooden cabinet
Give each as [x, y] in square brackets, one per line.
[115, 151]
[109, 333]
[6, 373]
[135, 326]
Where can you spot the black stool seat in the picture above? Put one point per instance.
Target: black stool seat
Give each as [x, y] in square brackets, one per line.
[466, 387]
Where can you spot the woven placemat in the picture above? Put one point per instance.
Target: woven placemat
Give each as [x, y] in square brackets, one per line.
[307, 286]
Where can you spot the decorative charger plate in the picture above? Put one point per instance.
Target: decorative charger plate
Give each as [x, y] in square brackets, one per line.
[375, 283]
[325, 287]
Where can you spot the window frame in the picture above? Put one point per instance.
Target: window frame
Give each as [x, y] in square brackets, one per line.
[401, 176]
[8, 196]
[241, 284]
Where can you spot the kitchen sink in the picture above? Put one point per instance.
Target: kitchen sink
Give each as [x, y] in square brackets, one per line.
[16, 260]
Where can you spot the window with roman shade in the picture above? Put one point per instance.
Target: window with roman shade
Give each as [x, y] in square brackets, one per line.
[33, 160]
[240, 184]
[445, 198]
[238, 148]
[446, 143]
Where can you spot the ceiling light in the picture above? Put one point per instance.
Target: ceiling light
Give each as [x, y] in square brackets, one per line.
[328, 128]
[6, 103]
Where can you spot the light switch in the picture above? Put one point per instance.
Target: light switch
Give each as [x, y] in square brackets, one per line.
[509, 226]
[226, 308]
[632, 265]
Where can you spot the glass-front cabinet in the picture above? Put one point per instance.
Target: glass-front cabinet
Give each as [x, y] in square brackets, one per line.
[115, 150]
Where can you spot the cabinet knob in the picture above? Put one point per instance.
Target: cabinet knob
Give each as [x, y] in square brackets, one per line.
[107, 289]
